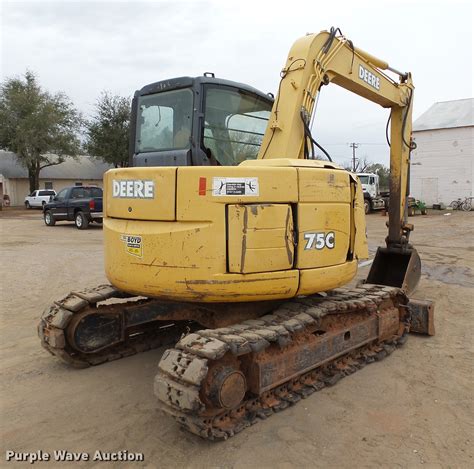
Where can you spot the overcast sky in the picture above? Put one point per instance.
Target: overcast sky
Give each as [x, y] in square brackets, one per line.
[84, 47]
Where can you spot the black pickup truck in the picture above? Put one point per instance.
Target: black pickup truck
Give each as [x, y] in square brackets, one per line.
[80, 204]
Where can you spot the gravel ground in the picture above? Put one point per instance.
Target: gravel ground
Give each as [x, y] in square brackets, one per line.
[413, 409]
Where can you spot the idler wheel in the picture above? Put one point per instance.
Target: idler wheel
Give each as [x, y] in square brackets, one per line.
[227, 387]
[92, 332]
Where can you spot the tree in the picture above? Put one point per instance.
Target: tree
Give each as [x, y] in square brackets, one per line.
[365, 166]
[245, 145]
[376, 168]
[361, 165]
[39, 127]
[108, 130]
[382, 171]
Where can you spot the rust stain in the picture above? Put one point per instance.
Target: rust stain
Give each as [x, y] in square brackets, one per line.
[165, 265]
[230, 282]
[141, 264]
[276, 228]
[244, 240]
[282, 292]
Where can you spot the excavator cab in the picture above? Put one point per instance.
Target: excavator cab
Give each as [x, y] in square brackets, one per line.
[203, 121]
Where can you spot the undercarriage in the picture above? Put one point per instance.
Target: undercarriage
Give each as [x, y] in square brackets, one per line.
[101, 324]
[256, 360]
[217, 382]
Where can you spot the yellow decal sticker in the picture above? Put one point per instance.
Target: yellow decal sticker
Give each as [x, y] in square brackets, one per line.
[133, 244]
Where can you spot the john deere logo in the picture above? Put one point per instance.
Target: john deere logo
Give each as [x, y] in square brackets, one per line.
[133, 189]
[369, 78]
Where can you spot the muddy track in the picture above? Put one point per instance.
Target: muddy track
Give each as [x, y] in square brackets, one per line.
[60, 319]
[203, 364]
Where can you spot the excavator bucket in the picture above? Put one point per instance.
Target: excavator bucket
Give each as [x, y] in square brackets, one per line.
[396, 268]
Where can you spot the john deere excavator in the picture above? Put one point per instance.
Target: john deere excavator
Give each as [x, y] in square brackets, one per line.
[227, 236]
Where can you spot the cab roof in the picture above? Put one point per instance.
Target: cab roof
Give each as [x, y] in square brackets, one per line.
[186, 82]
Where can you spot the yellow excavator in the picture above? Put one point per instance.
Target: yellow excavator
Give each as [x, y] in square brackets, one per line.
[230, 237]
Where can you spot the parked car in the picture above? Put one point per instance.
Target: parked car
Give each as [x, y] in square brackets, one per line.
[39, 197]
[80, 204]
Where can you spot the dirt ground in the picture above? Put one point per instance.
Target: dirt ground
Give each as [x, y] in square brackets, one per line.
[413, 409]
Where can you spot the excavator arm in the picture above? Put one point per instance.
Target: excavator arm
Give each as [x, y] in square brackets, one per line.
[328, 57]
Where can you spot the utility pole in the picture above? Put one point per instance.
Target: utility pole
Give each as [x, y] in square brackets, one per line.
[354, 145]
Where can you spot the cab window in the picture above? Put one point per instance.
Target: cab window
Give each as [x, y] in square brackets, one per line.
[94, 192]
[234, 124]
[86, 192]
[164, 121]
[61, 194]
[77, 193]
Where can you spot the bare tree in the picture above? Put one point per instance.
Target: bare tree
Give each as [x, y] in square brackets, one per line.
[361, 165]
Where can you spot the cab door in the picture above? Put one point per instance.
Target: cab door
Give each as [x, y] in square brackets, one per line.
[34, 199]
[59, 209]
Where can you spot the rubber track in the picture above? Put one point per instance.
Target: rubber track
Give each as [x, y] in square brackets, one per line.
[56, 317]
[183, 369]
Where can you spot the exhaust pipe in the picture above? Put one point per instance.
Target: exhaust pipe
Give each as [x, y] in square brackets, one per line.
[396, 267]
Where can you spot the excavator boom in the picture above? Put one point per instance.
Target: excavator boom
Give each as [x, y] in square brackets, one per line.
[328, 57]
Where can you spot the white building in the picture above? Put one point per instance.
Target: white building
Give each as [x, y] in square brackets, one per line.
[442, 166]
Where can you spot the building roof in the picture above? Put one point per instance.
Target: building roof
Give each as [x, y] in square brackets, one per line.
[84, 167]
[447, 115]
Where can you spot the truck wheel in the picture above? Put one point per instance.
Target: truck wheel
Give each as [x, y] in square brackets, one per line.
[366, 206]
[48, 218]
[81, 221]
[27, 205]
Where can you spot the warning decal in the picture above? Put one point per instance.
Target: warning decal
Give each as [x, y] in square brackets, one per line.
[133, 244]
[235, 186]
